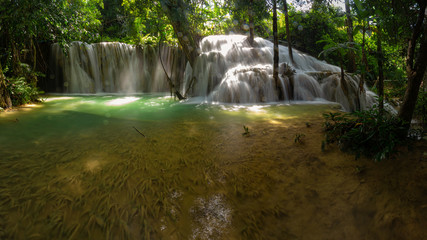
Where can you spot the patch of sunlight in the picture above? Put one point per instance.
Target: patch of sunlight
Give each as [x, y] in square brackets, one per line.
[50, 99]
[229, 44]
[153, 104]
[121, 101]
[28, 107]
[165, 97]
[283, 117]
[17, 110]
[32, 105]
[93, 165]
[94, 161]
[272, 121]
[258, 108]
[231, 108]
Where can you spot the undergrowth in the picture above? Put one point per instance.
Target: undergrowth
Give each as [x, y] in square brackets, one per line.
[367, 133]
[21, 91]
[23, 88]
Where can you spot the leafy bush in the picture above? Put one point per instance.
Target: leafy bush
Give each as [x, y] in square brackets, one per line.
[142, 40]
[366, 133]
[23, 88]
[20, 91]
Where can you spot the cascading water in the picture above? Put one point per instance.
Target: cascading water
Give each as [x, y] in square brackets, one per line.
[113, 68]
[230, 70]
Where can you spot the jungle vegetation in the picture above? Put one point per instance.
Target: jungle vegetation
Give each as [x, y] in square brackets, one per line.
[386, 39]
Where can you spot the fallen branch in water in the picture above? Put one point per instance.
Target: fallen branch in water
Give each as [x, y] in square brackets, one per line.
[171, 85]
[139, 131]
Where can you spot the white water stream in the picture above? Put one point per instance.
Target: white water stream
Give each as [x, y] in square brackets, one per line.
[230, 70]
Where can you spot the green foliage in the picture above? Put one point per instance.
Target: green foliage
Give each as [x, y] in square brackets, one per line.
[150, 21]
[366, 133]
[332, 47]
[246, 133]
[396, 22]
[116, 22]
[307, 27]
[24, 24]
[21, 91]
[243, 10]
[50, 20]
[23, 88]
[149, 40]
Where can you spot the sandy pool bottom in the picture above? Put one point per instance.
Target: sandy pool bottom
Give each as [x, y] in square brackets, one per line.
[206, 180]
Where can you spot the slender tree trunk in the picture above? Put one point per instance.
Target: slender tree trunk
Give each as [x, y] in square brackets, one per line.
[288, 33]
[189, 41]
[380, 84]
[276, 51]
[16, 62]
[5, 101]
[415, 72]
[251, 23]
[351, 55]
[364, 60]
[33, 46]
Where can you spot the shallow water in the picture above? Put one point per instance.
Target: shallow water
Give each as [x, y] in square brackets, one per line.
[145, 167]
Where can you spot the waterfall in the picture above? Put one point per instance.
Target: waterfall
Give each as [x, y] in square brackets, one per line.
[230, 70]
[113, 68]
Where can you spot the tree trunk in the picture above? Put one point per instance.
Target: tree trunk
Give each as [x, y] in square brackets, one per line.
[364, 60]
[16, 62]
[251, 23]
[5, 101]
[33, 47]
[380, 84]
[276, 51]
[288, 34]
[351, 55]
[415, 71]
[189, 41]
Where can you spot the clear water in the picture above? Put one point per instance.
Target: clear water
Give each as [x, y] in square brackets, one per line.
[144, 167]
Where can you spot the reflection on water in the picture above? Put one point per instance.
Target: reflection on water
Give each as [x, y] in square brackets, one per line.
[121, 101]
[76, 168]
